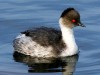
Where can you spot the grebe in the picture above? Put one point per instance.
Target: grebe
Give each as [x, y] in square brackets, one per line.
[49, 42]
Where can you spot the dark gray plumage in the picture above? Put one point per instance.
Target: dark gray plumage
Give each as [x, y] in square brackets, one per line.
[46, 37]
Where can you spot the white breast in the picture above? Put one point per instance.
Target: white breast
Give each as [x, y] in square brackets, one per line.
[69, 40]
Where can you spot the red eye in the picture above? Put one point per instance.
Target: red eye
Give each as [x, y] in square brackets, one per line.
[73, 20]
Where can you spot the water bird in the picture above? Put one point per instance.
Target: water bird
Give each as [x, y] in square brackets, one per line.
[50, 42]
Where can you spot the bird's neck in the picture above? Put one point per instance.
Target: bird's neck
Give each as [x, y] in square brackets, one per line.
[69, 40]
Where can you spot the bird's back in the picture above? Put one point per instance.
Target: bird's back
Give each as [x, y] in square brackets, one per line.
[45, 37]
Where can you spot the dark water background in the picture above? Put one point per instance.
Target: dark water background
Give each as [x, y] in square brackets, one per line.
[19, 15]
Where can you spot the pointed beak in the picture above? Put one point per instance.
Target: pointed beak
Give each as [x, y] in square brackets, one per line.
[80, 24]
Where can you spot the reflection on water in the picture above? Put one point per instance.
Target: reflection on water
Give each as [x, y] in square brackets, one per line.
[66, 65]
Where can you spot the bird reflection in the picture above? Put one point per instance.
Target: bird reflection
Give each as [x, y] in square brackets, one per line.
[66, 65]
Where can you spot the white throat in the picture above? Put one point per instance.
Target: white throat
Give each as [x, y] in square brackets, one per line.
[69, 40]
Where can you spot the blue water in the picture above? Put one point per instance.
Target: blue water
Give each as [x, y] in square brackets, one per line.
[19, 15]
